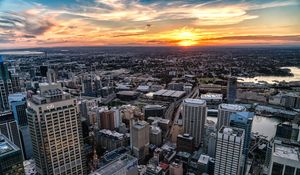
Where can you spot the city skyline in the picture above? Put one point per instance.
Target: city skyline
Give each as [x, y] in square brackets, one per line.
[42, 23]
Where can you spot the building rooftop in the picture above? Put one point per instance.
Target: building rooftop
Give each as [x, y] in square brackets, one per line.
[140, 124]
[185, 136]
[6, 146]
[128, 93]
[153, 107]
[211, 96]
[115, 166]
[232, 107]
[169, 93]
[204, 159]
[232, 131]
[194, 101]
[242, 117]
[112, 133]
[17, 97]
[286, 152]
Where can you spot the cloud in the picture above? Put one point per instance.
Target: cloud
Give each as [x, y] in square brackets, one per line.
[25, 22]
[260, 37]
[135, 21]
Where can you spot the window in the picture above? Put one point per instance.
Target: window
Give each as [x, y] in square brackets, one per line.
[289, 170]
[277, 169]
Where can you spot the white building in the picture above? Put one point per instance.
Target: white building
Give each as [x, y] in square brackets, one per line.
[224, 112]
[285, 159]
[229, 151]
[55, 130]
[194, 118]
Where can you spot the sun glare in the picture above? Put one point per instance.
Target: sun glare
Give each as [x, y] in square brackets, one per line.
[186, 38]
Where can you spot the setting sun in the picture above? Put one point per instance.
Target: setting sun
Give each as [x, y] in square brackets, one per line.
[186, 37]
[187, 43]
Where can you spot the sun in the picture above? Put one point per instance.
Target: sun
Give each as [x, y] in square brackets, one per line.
[186, 38]
[187, 43]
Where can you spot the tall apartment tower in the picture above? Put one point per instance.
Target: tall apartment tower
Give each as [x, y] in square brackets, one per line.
[194, 118]
[243, 120]
[231, 89]
[139, 138]
[229, 149]
[224, 113]
[55, 131]
[51, 76]
[5, 86]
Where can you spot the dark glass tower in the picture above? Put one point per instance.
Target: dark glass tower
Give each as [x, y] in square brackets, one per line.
[5, 86]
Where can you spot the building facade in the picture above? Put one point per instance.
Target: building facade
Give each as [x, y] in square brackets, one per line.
[224, 112]
[231, 89]
[55, 130]
[194, 118]
[139, 138]
[229, 149]
[5, 86]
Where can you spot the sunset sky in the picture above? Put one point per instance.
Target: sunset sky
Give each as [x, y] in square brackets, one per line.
[49, 23]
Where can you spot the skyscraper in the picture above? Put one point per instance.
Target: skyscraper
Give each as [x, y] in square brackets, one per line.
[55, 130]
[139, 138]
[18, 106]
[51, 76]
[11, 160]
[194, 118]
[243, 120]
[231, 89]
[5, 86]
[224, 112]
[10, 129]
[229, 151]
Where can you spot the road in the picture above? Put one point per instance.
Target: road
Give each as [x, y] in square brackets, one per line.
[174, 110]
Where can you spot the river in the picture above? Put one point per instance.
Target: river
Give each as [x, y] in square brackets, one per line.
[270, 79]
[263, 125]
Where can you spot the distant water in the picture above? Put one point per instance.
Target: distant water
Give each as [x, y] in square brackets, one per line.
[270, 79]
[263, 125]
[21, 53]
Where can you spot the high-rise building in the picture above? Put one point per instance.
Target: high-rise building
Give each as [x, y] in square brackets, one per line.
[87, 87]
[224, 112]
[212, 140]
[176, 168]
[185, 143]
[5, 86]
[231, 89]
[243, 120]
[106, 120]
[153, 111]
[284, 160]
[139, 138]
[194, 118]
[155, 135]
[11, 159]
[229, 149]
[55, 130]
[51, 76]
[10, 128]
[15, 80]
[288, 131]
[18, 106]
